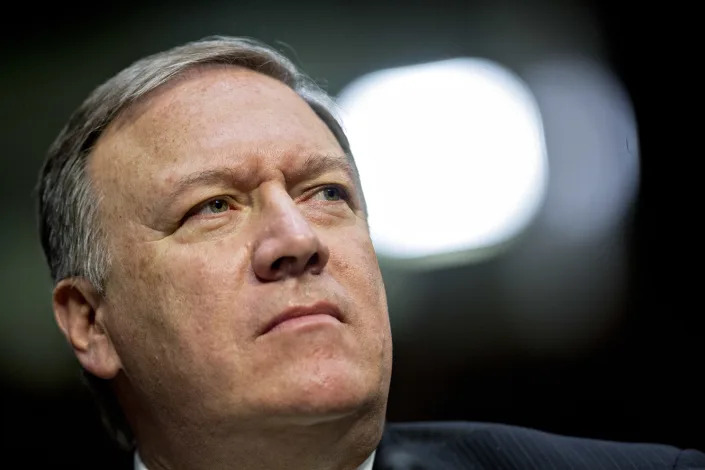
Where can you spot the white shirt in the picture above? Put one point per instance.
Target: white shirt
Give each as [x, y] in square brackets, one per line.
[366, 465]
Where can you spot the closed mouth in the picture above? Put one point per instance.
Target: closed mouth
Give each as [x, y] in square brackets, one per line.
[319, 308]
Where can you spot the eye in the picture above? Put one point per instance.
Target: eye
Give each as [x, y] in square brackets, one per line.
[331, 193]
[214, 206]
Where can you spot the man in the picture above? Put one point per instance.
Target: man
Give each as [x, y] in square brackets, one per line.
[204, 223]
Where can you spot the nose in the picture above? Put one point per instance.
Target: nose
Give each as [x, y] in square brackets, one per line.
[287, 245]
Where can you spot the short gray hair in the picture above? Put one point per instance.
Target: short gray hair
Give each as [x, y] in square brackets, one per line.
[72, 238]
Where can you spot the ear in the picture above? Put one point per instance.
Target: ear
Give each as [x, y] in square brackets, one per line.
[77, 310]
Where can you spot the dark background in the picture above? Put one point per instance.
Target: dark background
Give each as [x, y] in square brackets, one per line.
[637, 380]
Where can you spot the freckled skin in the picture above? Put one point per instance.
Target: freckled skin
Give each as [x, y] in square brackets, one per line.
[184, 303]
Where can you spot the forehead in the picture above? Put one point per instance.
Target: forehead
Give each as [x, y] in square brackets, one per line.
[223, 116]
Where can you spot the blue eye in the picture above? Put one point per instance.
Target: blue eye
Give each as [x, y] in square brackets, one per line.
[332, 193]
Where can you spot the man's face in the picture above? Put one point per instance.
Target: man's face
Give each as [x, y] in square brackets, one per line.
[229, 206]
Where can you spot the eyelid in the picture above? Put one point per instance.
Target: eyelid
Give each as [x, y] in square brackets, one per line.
[199, 207]
[344, 193]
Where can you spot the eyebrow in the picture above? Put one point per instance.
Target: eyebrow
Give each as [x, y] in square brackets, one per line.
[313, 165]
[201, 178]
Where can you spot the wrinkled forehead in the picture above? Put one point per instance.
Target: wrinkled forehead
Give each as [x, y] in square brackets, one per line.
[180, 93]
[249, 80]
[224, 116]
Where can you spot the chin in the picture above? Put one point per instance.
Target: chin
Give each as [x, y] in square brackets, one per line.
[329, 392]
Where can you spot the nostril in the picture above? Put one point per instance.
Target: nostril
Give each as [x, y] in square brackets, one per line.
[289, 264]
[313, 261]
[277, 264]
[284, 255]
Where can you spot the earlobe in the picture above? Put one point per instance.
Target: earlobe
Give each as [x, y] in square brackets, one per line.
[77, 308]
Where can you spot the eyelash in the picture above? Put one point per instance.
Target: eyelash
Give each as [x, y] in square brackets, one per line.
[195, 211]
[343, 194]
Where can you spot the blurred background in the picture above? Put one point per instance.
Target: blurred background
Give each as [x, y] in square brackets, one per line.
[567, 299]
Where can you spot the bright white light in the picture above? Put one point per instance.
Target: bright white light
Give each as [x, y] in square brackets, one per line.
[451, 155]
[593, 146]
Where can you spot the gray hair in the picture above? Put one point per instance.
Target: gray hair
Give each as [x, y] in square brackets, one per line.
[73, 240]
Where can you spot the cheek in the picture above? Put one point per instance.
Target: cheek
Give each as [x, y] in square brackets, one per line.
[354, 264]
[180, 296]
[357, 266]
[354, 261]
[175, 318]
[200, 273]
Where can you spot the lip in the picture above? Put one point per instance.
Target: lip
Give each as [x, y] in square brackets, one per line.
[321, 309]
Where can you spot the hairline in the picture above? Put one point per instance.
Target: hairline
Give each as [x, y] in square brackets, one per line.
[284, 71]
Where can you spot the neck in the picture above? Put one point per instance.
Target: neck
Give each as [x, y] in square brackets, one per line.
[343, 443]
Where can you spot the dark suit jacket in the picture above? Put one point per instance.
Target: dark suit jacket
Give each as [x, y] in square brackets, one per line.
[484, 446]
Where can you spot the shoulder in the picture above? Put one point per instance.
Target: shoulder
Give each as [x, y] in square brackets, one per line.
[471, 445]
